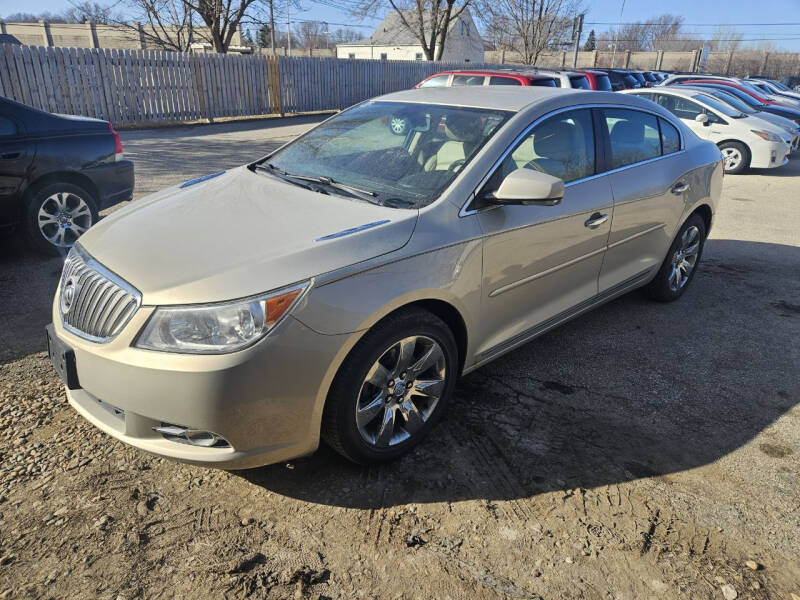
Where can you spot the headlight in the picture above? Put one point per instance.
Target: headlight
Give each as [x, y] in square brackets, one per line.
[767, 135]
[217, 328]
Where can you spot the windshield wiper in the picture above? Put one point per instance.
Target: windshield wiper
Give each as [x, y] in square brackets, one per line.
[367, 195]
[281, 174]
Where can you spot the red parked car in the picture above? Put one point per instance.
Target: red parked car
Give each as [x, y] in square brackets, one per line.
[741, 88]
[597, 79]
[497, 77]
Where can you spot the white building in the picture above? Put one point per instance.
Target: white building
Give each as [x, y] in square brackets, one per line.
[392, 40]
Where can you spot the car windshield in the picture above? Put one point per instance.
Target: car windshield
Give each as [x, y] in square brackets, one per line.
[603, 83]
[733, 101]
[746, 98]
[580, 82]
[396, 154]
[780, 86]
[725, 109]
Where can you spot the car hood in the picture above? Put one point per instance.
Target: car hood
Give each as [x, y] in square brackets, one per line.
[758, 122]
[239, 234]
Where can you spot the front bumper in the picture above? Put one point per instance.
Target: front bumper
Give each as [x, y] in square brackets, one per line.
[266, 401]
[767, 155]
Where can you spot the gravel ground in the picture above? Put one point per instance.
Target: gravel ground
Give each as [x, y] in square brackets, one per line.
[643, 450]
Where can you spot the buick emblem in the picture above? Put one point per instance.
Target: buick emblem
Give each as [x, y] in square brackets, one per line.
[68, 294]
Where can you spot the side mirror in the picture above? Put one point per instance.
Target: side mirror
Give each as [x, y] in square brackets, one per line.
[703, 119]
[528, 186]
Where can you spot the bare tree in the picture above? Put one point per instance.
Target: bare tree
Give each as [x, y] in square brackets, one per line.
[528, 26]
[82, 12]
[659, 33]
[429, 21]
[312, 34]
[725, 39]
[222, 17]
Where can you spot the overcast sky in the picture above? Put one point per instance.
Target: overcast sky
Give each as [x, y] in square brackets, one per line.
[753, 19]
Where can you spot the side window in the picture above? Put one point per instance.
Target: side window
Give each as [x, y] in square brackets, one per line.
[686, 109]
[670, 139]
[503, 81]
[562, 146]
[633, 136]
[468, 80]
[438, 81]
[7, 128]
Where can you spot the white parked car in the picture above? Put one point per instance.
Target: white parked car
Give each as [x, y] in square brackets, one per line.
[744, 140]
[792, 128]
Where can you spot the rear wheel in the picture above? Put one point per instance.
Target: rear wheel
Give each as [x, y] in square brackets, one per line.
[679, 267]
[398, 125]
[736, 156]
[57, 215]
[392, 388]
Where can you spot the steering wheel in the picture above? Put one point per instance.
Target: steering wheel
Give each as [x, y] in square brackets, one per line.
[456, 164]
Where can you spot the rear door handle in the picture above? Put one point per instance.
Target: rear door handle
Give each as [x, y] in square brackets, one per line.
[596, 220]
[10, 155]
[679, 188]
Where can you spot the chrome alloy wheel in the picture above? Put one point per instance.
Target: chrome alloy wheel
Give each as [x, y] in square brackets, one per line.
[401, 391]
[63, 218]
[733, 158]
[684, 259]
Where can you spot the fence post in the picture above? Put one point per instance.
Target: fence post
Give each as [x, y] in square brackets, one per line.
[91, 33]
[198, 81]
[274, 85]
[763, 70]
[594, 58]
[693, 67]
[47, 39]
[627, 59]
[659, 57]
[729, 62]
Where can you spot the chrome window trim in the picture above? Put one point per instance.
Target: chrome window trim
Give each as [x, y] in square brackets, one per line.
[113, 278]
[465, 212]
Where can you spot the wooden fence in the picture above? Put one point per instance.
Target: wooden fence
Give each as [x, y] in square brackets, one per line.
[143, 86]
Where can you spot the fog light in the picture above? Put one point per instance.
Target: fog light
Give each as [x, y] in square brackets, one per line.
[193, 437]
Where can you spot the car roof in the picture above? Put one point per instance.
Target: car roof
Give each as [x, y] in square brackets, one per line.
[672, 91]
[513, 99]
[490, 72]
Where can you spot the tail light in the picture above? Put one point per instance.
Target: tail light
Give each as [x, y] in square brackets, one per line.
[117, 143]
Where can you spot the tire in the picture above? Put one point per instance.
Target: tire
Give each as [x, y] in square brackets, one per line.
[666, 286]
[735, 154]
[398, 125]
[56, 215]
[362, 387]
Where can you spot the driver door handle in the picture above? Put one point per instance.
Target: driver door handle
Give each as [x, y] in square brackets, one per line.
[679, 188]
[596, 220]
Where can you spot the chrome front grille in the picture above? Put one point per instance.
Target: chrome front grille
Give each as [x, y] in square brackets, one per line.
[94, 303]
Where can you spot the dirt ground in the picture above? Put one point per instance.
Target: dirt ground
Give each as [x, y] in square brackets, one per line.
[641, 451]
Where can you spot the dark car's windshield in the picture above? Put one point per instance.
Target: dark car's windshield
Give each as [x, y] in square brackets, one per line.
[603, 83]
[405, 154]
[732, 100]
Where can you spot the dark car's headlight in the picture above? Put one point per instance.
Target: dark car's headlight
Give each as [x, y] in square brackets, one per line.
[218, 328]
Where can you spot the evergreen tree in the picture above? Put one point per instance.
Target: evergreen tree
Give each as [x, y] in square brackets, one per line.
[591, 42]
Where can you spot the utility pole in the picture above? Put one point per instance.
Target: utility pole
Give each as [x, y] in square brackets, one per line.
[288, 30]
[577, 29]
[272, 27]
[616, 35]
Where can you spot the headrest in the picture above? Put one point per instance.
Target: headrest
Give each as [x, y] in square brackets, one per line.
[555, 139]
[627, 132]
[463, 128]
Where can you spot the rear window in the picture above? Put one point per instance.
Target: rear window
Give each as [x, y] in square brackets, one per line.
[497, 80]
[631, 81]
[603, 83]
[438, 81]
[468, 80]
[633, 136]
[580, 82]
[544, 82]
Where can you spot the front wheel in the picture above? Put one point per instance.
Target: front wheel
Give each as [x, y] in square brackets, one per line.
[392, 388]
[736, 156]
[679, 267]
[398, 125]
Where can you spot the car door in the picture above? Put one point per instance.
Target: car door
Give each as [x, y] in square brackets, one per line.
[648, 180]
[540, 262]
[16, 154]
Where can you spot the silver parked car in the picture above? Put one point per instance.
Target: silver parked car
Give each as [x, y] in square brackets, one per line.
[338, 287]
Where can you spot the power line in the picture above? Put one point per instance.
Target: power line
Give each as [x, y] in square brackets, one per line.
[695, 24]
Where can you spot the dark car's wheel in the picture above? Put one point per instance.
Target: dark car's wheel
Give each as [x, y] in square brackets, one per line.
[680, 265]
[398, 125]
[392, 388]
[736, 155]
[57, 215]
